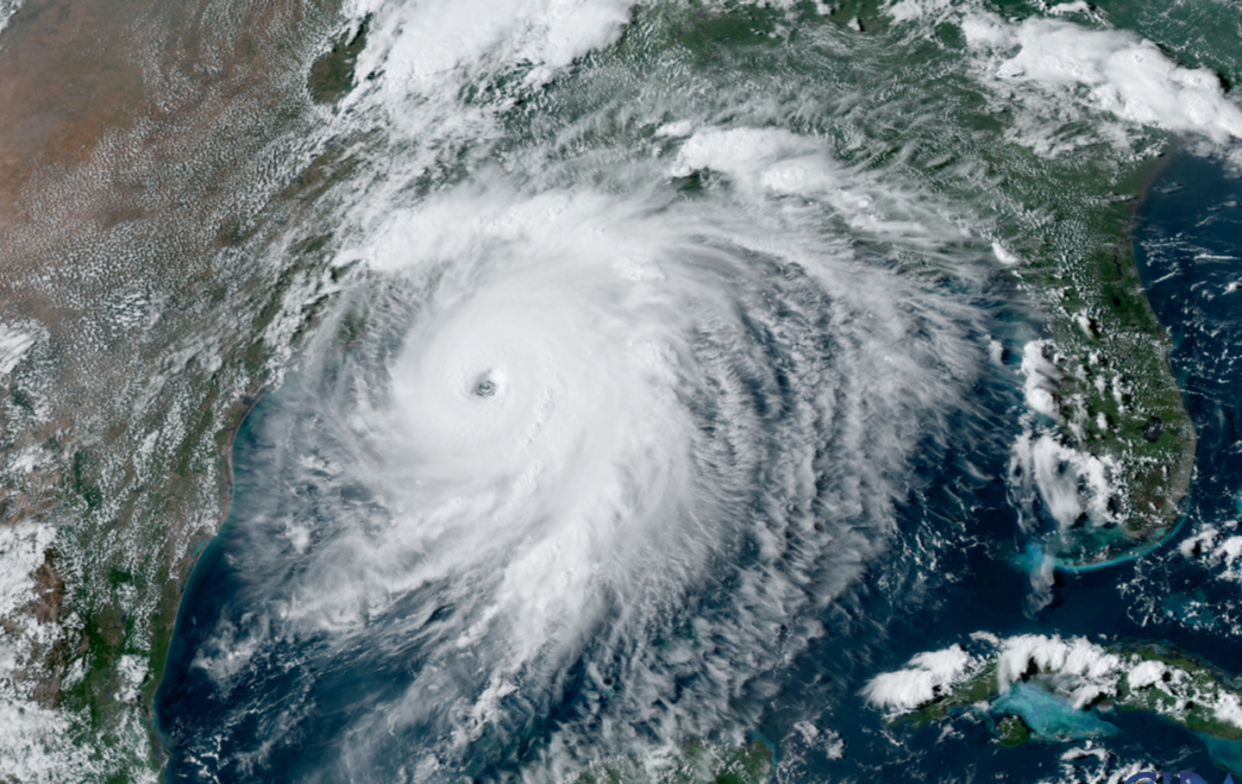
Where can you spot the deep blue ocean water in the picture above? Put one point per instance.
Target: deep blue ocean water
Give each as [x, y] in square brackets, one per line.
[1188, 241]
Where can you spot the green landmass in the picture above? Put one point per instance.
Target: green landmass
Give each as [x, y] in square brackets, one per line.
[1187, 693]
[1012, 731]
[332, 75]
[223, 326]
[1066, 217]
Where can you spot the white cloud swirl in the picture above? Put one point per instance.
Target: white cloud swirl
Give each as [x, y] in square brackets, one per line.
[614, 448]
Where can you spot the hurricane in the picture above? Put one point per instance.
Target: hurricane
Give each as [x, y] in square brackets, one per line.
[627, 391]
[617, 395]
[595, 464]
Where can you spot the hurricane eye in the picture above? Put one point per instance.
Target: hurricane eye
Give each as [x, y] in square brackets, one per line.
[484, 387]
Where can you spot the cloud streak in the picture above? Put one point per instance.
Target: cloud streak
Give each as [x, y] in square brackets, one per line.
[597, 447]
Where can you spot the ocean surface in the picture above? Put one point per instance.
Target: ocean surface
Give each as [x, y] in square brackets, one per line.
[609, 376]
[656, 402]
[245, 698]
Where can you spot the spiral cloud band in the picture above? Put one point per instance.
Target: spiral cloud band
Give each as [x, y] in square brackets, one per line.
[596, 465]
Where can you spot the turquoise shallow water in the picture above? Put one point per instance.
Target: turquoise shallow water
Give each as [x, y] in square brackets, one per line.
[974, 590]
[241, 695]
[1050, 717]
[679, 436]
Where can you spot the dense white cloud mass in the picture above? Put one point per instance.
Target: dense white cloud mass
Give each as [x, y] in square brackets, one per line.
[1075, 670]
[598, 409]
[924, 678]
[620, 422]
[1218, 547]
[7, 9]
[423, 42]
[31, 745]
[14, 343]
[1055, 63]
[1122, 73]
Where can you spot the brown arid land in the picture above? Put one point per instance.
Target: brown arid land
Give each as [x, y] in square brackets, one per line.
[159, 165]
[141, 145]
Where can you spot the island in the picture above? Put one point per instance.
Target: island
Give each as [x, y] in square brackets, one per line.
[1045, 688]
[140, 327]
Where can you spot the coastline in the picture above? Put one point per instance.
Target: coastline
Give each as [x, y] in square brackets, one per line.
[1155, 474]
[1181, 498]
[183, 572]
